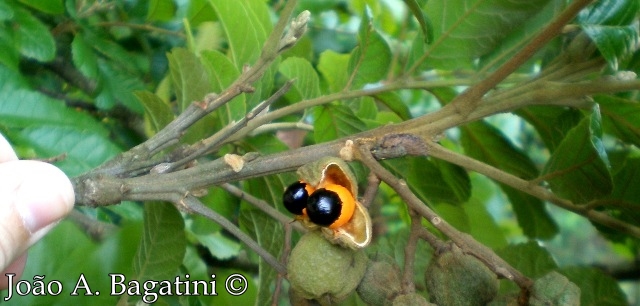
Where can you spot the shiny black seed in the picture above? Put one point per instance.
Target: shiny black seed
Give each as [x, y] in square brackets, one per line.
[295, 198]
[324, 207]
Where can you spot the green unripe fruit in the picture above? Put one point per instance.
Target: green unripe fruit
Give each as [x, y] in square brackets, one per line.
[411, 299]
[320, 270]
[380, 284]
[554, 289]
[454, 278]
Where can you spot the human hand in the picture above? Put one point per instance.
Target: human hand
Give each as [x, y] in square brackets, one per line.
[33, 197]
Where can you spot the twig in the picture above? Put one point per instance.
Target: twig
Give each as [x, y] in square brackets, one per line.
[410, 253]
[215, 141]
[373, 183]
[279, 126]
[193, 205]
[496, 174]
[464, 241]
[262, 205]
[468, 100]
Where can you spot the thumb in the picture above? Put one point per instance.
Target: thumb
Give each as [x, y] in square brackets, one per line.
[33, 196]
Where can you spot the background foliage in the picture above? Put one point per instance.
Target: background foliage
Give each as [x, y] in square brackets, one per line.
[90, 79]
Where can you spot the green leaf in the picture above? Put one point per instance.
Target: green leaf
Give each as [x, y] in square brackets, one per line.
[220, 246]
[597, 288]
[485, 143]
[423, 20]
[83, 57]
[52, 7]
[529, 258]
[33, 37]
[190, 79]
[307, 83]
[482, 225]
[335, 121]
[467, 29]
[333, 67]
[22, 108]
[435, 181]
[247, 24]
[222, 73]
[163, 244]
[615, 42]
[552, 123]
[161, 10]
[531, 214]
[625, 197]
[369, 61]
[621, 117]
[579, 169]
[393, 101]
[157, 113]
[84, 149]
[117, 87]
[269, 235]
[609, 12]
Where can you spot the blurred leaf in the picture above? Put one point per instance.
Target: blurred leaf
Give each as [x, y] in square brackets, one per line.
[579, 169]
[247, 24]
[68, 241]
[369, 61]
[83, 57]
[199, 11]
[393, 246]
[621, 117]
[335, 121]
[333, 67]
[190, 80]
[482, 225]
[117, 87]
[51, 7]
[423, 20]
[485, 143]
[161, 10]
[456, 178]
[596, 287]
[84, 149]
[615, 42]
[222, 73]
[609, 12]
[157, 113]
[269, 235]
[32, 37]
[307, 84]
[22, 108]
[163, 244]
[467, 29]
[6, 11]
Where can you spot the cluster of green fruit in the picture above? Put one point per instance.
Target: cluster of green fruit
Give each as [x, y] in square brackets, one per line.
[327, 273]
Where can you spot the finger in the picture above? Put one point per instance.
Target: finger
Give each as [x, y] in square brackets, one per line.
[33, 196]
[6, 151]
[16, 267]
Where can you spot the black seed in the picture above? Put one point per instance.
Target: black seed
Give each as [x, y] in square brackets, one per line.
[324, 207]
[295, 198]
